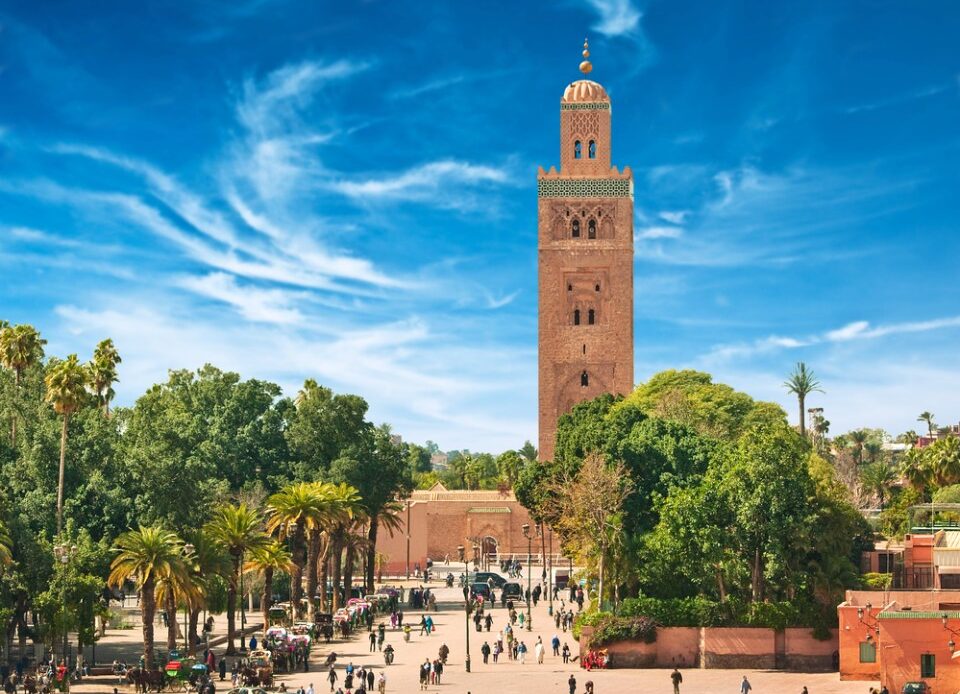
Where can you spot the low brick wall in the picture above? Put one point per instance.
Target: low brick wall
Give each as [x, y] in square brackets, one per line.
[750, 648]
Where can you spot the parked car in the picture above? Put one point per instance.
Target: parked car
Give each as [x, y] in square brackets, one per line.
[484, 576]
[512, 591]
[480, 589]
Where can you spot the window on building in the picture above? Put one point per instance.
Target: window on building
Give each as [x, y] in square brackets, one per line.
[576, 150]
[596, 288]
[592, 149]
[928, 665]
[868, 652]
[584, 349]
[584, 380]
[576, 316]
[591, 317]
[592, 229]
[575, 228]
[569, 287]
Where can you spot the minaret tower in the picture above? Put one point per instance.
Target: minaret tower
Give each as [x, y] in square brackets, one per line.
[585, 244]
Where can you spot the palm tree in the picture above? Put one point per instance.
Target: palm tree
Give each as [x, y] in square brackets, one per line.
[801, 383]
[944, 459]
[206, 562]
[103, 373]
[343, 504]
[146, 556]
[873, 449]
[267, 560]
[916, 469]
[295, 513]
[858, 441]
[877, 479]
[389, 518]
[238, 530]
[175, 588]
[66, 390]
[928, 418]
[20, 348]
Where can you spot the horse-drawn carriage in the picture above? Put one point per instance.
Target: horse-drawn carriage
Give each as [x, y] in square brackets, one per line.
[258, 670]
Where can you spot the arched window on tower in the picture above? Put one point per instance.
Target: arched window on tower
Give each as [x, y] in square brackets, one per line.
[575, 228]
[584, 380]
[576, 316]
[592, 229]
[591, 317]
[577, 153]
[592, 149]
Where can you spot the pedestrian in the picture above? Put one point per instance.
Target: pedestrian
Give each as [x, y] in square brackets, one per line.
[310, 689]
[438, 667]
[332, 677]
[555, 644]
[566, 653]
[253, 643]
[677, 678]
[370, 679]
[522, 652]
[348, 681]
[488, 621]
[538, 651]
[497, 647]
[223, 669]
[572, 684]
[382, 683]
[485, 652]
[804, 691]
[373, 642]
[745, 686]
[424, 674]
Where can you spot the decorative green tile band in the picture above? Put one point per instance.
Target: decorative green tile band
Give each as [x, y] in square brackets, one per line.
[910, 614]
[585, 188]
[586, 106]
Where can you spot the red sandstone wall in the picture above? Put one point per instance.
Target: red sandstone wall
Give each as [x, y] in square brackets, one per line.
[737, 647]
[678, 647]
[902, 643]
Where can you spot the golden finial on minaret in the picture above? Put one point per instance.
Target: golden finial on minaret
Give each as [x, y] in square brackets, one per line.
[586, 66]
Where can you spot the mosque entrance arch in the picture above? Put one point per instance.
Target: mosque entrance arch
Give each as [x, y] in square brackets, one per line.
[489, 548]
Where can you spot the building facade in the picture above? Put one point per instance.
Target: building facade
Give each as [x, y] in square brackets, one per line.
[585, 263]
[436, 521]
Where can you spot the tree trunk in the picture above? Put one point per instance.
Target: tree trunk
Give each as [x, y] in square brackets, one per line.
[266, 598]
[296, 575]
[148, 611]
[192, 634]
[232, 607]
[757, 577]
[170, 605]
[63, 460]
[348, 573]
[371, 566]
[312, 550]
[16, 410]
[603, 551]
[803, 424]
[721, 588]
[324, 566]
[337, 571]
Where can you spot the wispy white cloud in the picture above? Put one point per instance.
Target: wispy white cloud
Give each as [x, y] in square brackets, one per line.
[421, 181]
[253, 303]
[658, 232]
[39, 237]
[922, 93]
[494, 302]
[857, 330]
[616, 17]
[675, 216]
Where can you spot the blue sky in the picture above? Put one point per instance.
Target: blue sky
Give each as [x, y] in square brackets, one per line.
[346, 191]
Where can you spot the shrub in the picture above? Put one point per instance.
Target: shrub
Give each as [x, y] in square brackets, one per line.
[610, 629]
[875, 581]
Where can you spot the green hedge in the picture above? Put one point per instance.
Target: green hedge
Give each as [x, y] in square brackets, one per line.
[610, 629]
[875, 581]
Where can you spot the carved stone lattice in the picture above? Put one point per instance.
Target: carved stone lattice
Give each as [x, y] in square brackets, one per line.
[585, 188]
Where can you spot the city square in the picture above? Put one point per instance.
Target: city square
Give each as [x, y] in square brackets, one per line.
[580, 348]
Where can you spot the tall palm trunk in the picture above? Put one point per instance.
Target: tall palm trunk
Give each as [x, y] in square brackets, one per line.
[192, 634]
[232, 606]
[266, 597]
[324, 568]
[372, 551]
[63, 462]
[170, 605]
[313, 546]
[803, 424]
[337, 570]
[13, 419]
[296, 576]
[348, 573]
[148, 611]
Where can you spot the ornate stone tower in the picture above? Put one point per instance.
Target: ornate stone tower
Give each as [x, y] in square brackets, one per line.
[585, 221]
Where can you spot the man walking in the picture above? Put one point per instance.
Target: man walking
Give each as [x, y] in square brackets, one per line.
[572, 684]
[332, 677]
[676, 678]
[745, 686]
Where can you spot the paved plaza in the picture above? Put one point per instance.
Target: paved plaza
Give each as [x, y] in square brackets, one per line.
[505, 676]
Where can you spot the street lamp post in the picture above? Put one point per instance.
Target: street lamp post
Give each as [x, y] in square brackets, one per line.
[526, 533]
[64, 553]
[550, 576]
[187, 553]
[467, 610]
